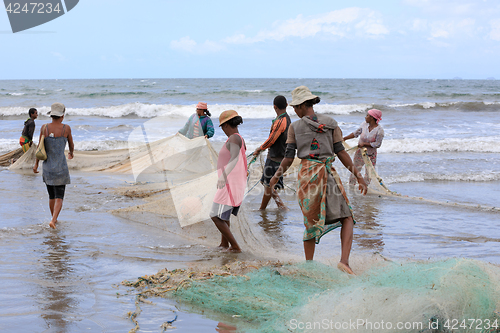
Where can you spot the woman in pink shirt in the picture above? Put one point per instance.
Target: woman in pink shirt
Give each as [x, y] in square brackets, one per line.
[232, 171]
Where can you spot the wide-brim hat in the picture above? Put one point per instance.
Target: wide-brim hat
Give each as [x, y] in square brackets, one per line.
[300, 95]
[227, 115]
[57, 109]
[202, 106]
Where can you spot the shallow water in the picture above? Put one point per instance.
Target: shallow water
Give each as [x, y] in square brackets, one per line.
[65, 280]
[441, 145]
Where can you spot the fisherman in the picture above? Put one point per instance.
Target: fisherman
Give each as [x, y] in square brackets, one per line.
[276, 143]
[26, 139]
[316, 139]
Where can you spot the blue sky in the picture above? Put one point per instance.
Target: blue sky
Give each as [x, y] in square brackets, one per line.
[266, 39]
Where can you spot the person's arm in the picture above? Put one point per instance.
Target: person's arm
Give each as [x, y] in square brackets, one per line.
[31, 130]
[347, 162]
[35, 167]
[210, 128]
[184, 130]
[234, 146]
[350, 136]
[285, 164]
[70, 143]
[354, 134]
[277, 129]
[362, 144]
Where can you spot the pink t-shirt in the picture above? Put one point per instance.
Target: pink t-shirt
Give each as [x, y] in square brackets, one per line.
[232, 194]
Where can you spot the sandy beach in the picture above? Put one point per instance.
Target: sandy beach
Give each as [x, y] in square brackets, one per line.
[68, 280]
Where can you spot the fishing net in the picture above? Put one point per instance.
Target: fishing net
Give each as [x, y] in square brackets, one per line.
[310, 296]
[175, 178]
[6, 159]
[377, 186]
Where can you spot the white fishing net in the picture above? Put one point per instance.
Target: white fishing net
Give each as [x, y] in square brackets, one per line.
[377, 186]
[176, 177]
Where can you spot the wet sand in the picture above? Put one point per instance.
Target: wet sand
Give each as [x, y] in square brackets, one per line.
[66, 280]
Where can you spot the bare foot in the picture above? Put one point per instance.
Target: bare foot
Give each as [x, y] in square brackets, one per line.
[52, 224]
[233, 250]
[345, 268]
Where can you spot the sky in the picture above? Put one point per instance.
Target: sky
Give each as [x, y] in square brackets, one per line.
[409, 39]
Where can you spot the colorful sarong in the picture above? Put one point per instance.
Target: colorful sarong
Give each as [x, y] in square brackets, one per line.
[313, 181]
[25, 143]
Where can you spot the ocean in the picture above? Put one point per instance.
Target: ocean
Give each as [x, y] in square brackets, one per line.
[441, 143]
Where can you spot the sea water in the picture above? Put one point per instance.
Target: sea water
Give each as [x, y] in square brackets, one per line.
[441, 143]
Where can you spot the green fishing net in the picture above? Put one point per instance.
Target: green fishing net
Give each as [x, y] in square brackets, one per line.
[312, 297]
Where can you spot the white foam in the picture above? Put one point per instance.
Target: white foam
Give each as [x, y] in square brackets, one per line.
[102, 145]
[7, 145]
[156, 110]
[428, 105]
[415, 145]
[420, 177]
[341, 109]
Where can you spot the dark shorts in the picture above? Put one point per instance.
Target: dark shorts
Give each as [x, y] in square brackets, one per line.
[270, 169]
[223, 211]
[56, 192]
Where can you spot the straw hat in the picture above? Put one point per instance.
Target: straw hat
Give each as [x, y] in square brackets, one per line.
[300, 95]
[57, 109]
[227, 115]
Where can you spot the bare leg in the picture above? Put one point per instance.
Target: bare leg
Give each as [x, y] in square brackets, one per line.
[278, 200]
[346, 235]
[223, 241]
[51, 206]
[266, 197]
[55, 210]
[223, 227]
[268, 194]
[309, 247]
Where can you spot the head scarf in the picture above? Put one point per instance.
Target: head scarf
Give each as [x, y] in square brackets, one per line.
[377, 114]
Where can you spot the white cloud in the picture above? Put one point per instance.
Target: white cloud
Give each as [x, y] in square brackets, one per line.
[342, 23]
[209, 47]
[453, 28]
[439, 33]
[183, 44]
[339, 23]
[495, 30]
[444, 7]
[458, 19]
[372, 26]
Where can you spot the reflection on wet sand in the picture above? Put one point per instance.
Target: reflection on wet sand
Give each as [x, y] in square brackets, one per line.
[368, 232]
[56, 284]
[272, 221]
